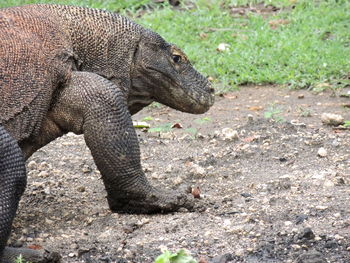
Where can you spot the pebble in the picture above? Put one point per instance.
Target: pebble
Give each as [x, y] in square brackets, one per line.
[250, 118]
[288, 223]
[332, 119]
[222, 47]
[32, 165]
[338, 237]
[322, 152]
[197, 170]
[178, 180]
[321, 207]
[81, 189]
[169, 168]
[296, 246]
[328, 183]
[311, 257]
[43, 174]
[307, 234]
[229, 134]
[167, 135]
[223, 259]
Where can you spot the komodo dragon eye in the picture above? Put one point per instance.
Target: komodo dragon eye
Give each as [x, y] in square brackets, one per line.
[176, 58]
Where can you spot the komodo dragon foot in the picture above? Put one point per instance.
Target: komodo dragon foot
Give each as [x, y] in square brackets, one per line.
[29, 255]
[153, 202]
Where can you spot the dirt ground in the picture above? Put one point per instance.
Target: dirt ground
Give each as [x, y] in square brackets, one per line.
[266, 193]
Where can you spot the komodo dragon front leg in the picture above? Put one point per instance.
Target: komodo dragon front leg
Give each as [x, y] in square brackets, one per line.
[97, 108]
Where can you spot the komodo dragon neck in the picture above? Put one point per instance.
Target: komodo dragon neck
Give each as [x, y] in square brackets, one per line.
[104, 43]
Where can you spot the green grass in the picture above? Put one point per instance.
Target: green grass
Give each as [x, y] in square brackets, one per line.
[311, 49]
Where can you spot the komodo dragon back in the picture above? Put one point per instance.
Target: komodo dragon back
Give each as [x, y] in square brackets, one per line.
[37, 51]
[44, 44]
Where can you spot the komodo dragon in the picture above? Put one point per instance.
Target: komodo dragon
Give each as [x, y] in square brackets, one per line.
[74, 69]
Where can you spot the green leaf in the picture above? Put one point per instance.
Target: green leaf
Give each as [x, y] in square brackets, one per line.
[202, 120]
[162, 128]
[148, 118]
[178, 257]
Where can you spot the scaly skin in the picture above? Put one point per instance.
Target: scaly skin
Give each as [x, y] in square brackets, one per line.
[86, 71]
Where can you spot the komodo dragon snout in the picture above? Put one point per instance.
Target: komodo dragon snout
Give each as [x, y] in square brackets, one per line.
[165, 72]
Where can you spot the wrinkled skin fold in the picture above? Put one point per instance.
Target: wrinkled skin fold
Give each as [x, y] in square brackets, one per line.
[73, 69]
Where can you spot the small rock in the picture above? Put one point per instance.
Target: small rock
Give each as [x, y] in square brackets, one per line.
[197, 170]
[307, 234]
[301, 218]
[167, 135]
[48, 221]
[222, 259]
[311, 257]
[288, 223]
[331, 244]
[328, 183]
[43, 174]
[301, 96]
[196, 192]
[319, 176]
[246, 195]
[222, 47]
[322, 152]
[202, 260]
[178, 180]
[128, 229]
[32, 165]
[81, 189]
[71, 255]
[296, 246]
[321, 207]
[169, 168]
[250, 118]
[338, 237]
[332, 119]
[44, 166]
[229, 134]
[86, 169]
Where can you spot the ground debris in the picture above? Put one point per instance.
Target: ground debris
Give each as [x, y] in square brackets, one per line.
[266, 196]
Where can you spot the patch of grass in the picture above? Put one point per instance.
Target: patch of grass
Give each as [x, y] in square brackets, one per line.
[202, 120]
[274, 112]
[161, 128]
[20, 259]
[311, 46]
[178, 257]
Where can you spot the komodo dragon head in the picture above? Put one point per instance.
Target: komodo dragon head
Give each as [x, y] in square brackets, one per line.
[163, 73]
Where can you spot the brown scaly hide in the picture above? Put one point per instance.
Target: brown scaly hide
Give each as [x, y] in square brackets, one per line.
[40, 45]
